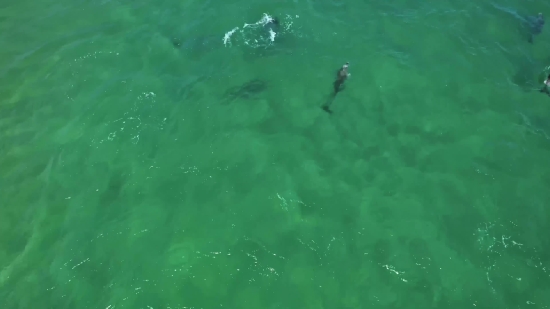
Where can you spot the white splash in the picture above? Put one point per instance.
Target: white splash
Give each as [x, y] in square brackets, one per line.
[227, 36]
[266, 18]
[257, 35]
[272, 35]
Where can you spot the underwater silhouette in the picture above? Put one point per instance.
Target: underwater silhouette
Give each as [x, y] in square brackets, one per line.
[535, 24]
[248, 90]
[338, 85]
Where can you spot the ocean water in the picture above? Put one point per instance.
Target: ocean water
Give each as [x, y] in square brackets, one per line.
[174, 154]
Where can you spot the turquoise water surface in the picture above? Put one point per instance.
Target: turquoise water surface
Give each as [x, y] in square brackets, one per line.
[173, 154]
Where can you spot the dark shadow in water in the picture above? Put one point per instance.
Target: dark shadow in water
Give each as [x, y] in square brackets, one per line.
[113, 191]
[529, 25]
[534, 25]
[249, 90]
[328, 103]
[530, 75]
[530, 78]
[337, 86]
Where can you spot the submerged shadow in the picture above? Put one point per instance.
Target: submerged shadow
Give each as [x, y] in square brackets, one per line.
[248, 91]
[529, 78]
[529, 25]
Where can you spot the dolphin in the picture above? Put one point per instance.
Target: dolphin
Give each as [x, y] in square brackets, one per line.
[535, 24]
[341, 75]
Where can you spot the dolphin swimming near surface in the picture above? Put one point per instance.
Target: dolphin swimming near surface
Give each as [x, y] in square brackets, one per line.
[272, 25]
[341, 75]
[535, 24]
[531, 24]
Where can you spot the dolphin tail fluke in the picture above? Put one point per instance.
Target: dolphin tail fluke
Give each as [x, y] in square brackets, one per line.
[328, 103]
[326, 108]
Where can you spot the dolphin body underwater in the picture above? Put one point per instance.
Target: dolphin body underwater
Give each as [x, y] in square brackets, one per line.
[272, 25]
[530, 25]
[338, 85]
[535, 24]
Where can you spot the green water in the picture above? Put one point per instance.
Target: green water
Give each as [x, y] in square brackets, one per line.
[138, 170]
